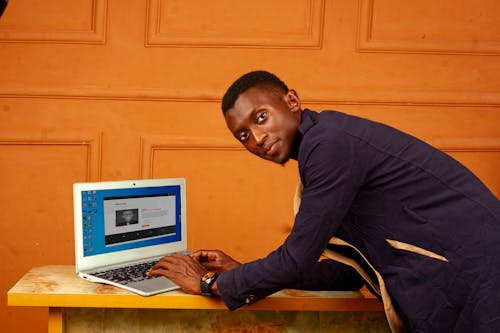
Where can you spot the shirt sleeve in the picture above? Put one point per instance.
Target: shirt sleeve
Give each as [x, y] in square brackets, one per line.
[327, 165]
[331, 275]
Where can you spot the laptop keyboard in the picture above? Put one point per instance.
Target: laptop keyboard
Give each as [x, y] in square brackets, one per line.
[128, 274]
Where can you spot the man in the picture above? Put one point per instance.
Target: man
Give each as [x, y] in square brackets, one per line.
[419, 227]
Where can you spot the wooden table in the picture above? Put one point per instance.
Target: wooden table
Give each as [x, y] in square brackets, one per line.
[76, 305]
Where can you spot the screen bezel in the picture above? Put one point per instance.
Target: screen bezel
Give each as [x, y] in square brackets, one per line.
[115, 258]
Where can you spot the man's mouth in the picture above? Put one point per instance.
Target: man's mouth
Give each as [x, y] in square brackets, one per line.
[271, 149]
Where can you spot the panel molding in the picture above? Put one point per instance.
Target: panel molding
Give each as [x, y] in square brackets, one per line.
[153, 144]
[92, 143]
[365, 42]
[476, 144]
[310, 37]
[364, 97]
[95, 34]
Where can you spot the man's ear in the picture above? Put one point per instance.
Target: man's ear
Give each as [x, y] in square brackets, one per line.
[293, 101]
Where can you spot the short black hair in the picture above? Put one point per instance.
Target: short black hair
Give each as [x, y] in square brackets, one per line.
[249, 80]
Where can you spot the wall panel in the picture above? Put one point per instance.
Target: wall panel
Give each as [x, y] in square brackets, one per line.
[472, 27]
[36, 196]
[82, 21]
[224, 24]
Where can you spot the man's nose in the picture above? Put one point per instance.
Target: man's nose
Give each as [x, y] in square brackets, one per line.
[259, 136]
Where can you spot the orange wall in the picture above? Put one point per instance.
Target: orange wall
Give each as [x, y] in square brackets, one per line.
[104, 90]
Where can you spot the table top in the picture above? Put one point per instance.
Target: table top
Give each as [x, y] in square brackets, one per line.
[60, 286]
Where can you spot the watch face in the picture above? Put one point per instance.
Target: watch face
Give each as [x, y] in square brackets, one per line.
[208, 276]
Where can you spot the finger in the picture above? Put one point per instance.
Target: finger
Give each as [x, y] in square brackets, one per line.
[158, 272]
[201, 255]
[166, 267]
[167, 262]
[159, 266]
[196, 255]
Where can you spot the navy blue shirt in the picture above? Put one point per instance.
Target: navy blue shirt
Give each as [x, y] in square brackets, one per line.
[374, 186]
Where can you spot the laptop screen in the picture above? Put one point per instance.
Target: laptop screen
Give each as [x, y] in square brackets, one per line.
[128, 218]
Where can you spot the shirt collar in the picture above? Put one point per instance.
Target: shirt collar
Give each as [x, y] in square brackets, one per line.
[308, 120]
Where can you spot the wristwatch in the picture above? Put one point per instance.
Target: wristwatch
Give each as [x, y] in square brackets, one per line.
[206, 282]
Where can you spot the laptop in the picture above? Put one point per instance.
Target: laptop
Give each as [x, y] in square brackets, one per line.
[122, 228]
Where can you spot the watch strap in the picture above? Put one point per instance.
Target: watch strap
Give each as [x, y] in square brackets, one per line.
[206, 282]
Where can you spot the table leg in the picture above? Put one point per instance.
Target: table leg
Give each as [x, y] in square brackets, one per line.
[55, 320]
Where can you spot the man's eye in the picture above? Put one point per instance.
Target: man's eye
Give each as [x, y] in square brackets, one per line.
[261, 117]
[243, 136]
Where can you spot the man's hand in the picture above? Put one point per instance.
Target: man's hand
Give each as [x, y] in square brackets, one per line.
[215, 260]
[185, 271]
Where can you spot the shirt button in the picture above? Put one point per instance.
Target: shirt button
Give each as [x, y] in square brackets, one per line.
[250, 299]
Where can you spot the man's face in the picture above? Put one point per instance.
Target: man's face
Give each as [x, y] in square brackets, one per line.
[127, 216]
[266, 122]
